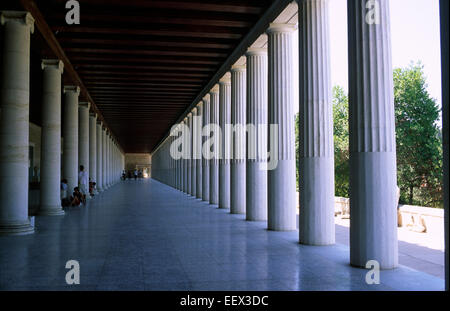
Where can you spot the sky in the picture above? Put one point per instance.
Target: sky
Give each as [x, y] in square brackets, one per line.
[415, 36]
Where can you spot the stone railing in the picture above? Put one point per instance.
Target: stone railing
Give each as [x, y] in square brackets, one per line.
[415, 218]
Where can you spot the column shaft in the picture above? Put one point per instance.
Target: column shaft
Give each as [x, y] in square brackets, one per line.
[225, 150]
[373, 169]
[238, 120]
[281, 180]
[83, 138]
[93, 147]
[193, 160]
[50, 196]
[205, 162]
[316, 222]
[70, 136]
[14, 122]
[214, 161]
[99, 180]
[256, 179]
[198, 148]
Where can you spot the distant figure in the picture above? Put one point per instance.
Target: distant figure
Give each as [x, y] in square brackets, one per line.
[135, 174]
[65, 201]
[83, 183]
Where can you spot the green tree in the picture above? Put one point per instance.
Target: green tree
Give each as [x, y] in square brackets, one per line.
[419, 146]
[341, 145]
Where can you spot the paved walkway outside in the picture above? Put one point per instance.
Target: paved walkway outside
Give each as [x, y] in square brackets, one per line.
[143, 235]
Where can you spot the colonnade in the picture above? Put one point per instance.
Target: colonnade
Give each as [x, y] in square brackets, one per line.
[260, 94]
[86, 141]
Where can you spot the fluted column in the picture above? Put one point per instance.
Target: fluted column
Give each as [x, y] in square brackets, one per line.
[444, 10]
[93, 147]
[193, 160]
[205, 162]
[225, 149]
[70, 136]
[281, 180]
[189, 156]
[256, 179]
[316, 222]
[104, 155]
[14, 122]
[214, 161]
[99, 166]
[50, 198]
[83, 138]
[373, 169]
[198, 150]
[185, 160]
[238, 120]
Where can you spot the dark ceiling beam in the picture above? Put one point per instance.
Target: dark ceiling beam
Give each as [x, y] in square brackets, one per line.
[103, 51]
[146, 32]
[55, 47]
[147, 68]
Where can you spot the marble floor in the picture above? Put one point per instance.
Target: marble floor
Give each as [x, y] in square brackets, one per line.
[144, 235]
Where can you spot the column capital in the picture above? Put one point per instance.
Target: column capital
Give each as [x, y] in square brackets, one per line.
[18, 16]
[53, 63]
[93, 115]
[226, 79]
[85, 105]
[215, 89]
[100, 123]
[72, 88]
[256, 51]
[194, 111]
[238, 68]
[280, 28]
[206, 98]
[200, 104]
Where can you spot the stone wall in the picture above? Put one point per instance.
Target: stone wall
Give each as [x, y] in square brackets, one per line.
[137, 160]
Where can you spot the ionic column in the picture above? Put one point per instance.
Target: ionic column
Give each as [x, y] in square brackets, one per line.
[193, 160]
[99, 155]
[373, 169]
[198, 150]
[238, 119]
[281, 179]
[14, 122]
[256, 179]
[70, 136]
[108, 160]
[225, 150]
[93, 147]
[104, 155]
[83, 137]
[205, 162]
[214, 161]
[316, 222]
[50, 198]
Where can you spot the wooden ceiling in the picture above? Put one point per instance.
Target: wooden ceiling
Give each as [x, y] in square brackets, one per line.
[144, 62]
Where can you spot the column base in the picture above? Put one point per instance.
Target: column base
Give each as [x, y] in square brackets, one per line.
[16, 229]
[51, 211]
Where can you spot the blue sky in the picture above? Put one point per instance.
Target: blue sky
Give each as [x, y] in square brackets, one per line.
[414, 33]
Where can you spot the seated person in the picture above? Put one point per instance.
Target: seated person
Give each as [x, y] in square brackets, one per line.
[65, 201]
[77, 197]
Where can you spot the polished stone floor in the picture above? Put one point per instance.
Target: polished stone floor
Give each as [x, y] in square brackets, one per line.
[143, 235]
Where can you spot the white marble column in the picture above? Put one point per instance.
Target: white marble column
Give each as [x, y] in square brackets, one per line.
[205, 162]
[225, 149]
[83, 137]
[373, 169]
[108, 160]
[256, 179]
[316, 222]
[70, 136]
[198, 150]
[93, 147]
[444, 12]
[193, 160]
[185, 160]
[189, 156]
[104, 161]
[281, 180]
[214, 161]
[50, 197]
[238, 119]
[99, 166]
[14, 122]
